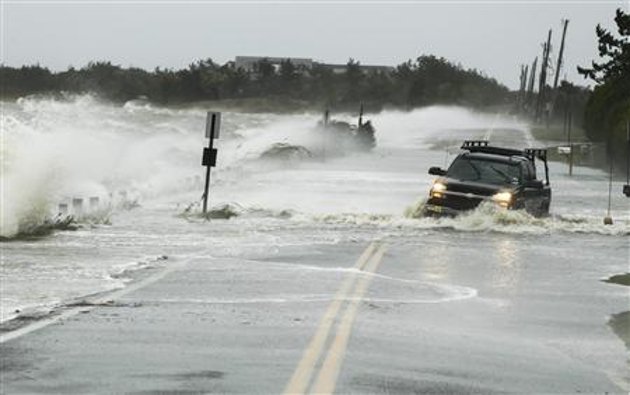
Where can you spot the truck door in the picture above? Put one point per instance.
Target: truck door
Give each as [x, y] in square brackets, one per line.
[533, 196]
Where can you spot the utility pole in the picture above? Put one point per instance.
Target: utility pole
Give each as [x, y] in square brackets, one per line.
[559, 67]
[523, 86]
[543, 77]
[560, 54]
[532, 79]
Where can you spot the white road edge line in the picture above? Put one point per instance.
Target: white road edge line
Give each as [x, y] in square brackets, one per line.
[11, 335]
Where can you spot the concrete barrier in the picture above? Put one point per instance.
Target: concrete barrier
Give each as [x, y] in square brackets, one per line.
[94, 203]
[77, 206]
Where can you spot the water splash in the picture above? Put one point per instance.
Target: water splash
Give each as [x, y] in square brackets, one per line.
[486, 218]
[56, 150]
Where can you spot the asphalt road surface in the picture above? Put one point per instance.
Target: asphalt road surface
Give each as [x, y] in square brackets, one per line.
[430, 314]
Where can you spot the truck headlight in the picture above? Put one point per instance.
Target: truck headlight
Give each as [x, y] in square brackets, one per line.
[437, 190]
[503, 198]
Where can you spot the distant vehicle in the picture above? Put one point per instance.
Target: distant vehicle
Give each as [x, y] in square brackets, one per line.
[348, 137]
[504, 176]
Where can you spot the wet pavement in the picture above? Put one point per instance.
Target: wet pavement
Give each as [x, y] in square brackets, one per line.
[430, 314]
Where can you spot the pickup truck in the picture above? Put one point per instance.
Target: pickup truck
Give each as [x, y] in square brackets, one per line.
[504, 176]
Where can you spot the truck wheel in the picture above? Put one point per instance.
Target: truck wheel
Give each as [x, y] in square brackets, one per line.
[544, 209]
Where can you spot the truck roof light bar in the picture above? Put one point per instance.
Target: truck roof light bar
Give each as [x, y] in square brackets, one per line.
[474, 143]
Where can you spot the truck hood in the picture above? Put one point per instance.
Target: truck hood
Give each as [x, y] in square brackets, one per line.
[475, 188]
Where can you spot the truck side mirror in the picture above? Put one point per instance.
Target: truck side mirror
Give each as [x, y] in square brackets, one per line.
[436, 171]
[536, 184]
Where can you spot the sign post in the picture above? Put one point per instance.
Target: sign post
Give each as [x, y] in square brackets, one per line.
[209, 158]
[569, 125]
[626, 187]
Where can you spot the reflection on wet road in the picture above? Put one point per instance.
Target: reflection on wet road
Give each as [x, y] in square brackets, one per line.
[269, 300]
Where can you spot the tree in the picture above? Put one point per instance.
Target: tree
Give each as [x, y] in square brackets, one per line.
[353, 78]
[265, 76]
[289, 78]
[288, 71]
[265, 69]
[426, 81]
[608, 108]
[322, 85]
[614, 50]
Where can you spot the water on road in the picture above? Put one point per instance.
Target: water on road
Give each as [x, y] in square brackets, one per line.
[143, 164]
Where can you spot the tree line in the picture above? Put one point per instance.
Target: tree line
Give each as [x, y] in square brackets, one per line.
[424, 81]
[607, 111]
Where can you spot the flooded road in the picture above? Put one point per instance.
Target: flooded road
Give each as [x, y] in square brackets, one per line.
[488, 302]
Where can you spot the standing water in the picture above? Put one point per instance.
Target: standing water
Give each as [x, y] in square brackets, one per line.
[131, 177]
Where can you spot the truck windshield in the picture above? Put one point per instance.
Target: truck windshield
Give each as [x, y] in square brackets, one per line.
[485, 171]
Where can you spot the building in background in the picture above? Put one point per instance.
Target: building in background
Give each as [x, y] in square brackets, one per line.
[341, 68]
[248, 63]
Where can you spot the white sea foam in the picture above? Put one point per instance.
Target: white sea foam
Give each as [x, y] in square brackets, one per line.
[143, 156]
[58, 150]
[436, 293]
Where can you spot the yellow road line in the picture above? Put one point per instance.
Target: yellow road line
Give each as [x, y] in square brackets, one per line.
[329, 372]
[302, 375]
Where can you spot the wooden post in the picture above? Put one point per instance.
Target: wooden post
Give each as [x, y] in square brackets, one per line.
[325, 133]
[559, 62]
[570, 121]
[608, 219]
[565, 124]
[626, 187]
[628, 152]
[523, 86]
[361, 116]
[543, 77]
[555, 92]
[532, 79]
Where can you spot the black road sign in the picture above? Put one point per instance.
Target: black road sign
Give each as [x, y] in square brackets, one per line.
[209, 157]
[213, 124]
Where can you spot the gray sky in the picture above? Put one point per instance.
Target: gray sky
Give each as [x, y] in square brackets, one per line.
[492, 36]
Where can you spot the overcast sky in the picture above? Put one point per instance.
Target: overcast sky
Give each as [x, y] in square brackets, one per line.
[492, 36]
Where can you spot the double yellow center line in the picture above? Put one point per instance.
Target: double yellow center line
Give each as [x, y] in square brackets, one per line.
[351, 289]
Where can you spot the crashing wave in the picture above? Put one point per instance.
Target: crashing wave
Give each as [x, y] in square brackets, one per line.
[284, 151]
[30, 227]
[33, 229]
[232, 210]
[224, 211]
